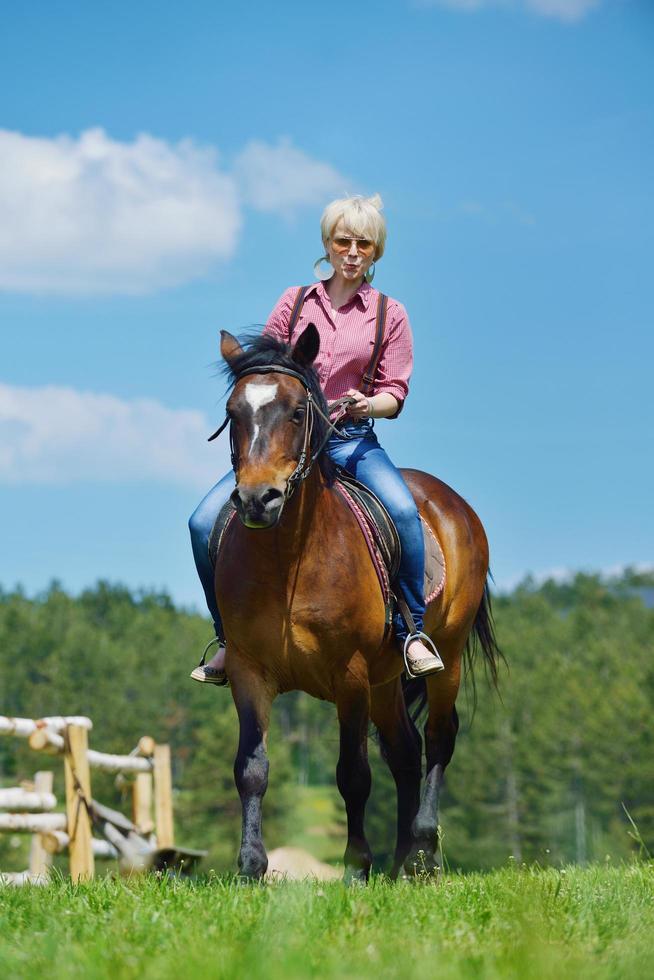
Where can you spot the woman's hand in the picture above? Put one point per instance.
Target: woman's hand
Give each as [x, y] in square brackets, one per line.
[380, 406]
[361, 407]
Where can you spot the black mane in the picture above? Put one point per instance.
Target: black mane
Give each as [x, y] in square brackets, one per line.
[260, 350]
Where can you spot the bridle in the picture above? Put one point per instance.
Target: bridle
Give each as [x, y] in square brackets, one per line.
[306, 459]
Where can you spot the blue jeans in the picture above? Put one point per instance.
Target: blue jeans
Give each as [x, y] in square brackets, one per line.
[365, 459]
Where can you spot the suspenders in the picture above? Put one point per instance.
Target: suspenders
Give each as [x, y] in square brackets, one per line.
[297, 309]
[371, 370]
[380, 326]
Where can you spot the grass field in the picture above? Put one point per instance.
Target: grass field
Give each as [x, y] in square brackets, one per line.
[519, 922]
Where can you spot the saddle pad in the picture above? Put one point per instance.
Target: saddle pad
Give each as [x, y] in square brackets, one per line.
[434, 564]
[225, 515]
[372, 537]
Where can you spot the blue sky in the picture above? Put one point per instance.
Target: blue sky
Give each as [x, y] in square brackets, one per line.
[163, 168]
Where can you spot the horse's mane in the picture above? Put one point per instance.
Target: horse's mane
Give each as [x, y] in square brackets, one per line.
[260, 350]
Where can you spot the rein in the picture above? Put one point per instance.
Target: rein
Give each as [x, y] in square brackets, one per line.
[302, 469]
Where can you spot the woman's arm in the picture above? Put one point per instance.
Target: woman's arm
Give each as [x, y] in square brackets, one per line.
[381, 406]
[279, 319]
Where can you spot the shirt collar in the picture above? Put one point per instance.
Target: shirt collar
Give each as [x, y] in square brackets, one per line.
[362, 296]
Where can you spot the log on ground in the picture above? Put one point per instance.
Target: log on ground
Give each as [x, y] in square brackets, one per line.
[18, 878]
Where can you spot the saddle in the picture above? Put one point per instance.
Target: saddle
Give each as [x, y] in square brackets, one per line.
[380, 535]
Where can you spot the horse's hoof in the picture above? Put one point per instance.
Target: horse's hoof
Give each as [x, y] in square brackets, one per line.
[355, 877]
[250, 877]
[252, 864]
[420, 865]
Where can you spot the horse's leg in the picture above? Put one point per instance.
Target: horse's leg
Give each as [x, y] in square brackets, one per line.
[253, 699]
[353, 771]
[401, 748]
[440, 736]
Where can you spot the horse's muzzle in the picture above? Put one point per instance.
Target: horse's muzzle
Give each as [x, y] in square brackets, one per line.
[259, 506]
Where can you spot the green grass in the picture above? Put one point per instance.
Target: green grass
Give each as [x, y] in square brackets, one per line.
[519, 922]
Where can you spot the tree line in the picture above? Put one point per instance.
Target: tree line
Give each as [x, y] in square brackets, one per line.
[553, 770]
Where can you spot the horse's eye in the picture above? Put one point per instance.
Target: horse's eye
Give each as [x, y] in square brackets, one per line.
[298, 415]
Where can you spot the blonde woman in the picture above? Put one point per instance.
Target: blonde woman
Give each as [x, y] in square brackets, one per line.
[343, 305]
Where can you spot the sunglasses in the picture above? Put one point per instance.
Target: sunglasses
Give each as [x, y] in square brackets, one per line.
[363, 245]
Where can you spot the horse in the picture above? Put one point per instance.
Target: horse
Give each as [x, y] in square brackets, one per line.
[303, 610]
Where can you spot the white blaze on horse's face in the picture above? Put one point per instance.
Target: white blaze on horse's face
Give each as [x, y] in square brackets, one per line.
[258, 395]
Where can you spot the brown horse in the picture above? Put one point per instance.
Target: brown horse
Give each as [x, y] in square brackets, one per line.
[303, 610]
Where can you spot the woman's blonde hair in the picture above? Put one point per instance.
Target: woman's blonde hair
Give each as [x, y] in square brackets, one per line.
[362, 217]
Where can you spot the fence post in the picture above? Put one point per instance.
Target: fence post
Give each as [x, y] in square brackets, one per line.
[78, 784]
[142, 802]
[40, 859]
[163, 796]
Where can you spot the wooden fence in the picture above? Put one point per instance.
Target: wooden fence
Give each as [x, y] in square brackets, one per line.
[31, 809]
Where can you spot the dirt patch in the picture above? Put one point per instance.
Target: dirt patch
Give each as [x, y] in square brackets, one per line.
[295, 864]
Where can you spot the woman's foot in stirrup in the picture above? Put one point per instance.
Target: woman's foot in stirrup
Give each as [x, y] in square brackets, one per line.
[421, 660]
[214, 671]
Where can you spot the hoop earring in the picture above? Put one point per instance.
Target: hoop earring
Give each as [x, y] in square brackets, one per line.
[370, 274]
[320, 272]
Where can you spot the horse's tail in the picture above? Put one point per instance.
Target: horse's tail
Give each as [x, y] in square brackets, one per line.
[482, 636]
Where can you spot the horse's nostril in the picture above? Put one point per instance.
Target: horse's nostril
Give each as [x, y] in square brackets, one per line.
[270, 496]
[253, 501]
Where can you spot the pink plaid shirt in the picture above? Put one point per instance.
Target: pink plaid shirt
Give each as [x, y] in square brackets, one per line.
[347, 337]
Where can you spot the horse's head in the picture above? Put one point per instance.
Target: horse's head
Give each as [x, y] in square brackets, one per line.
[273, 425]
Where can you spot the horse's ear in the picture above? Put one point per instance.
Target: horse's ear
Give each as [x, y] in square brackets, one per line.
[307, 347]
[229, 346]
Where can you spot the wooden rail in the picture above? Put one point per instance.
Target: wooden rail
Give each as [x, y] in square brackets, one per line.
[57, 841]
[23, 727]
[32, 823]
[44, 740]
[19, 800]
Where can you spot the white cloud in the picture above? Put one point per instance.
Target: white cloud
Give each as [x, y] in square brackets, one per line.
[569, 10]
[92, 214]
[566, 10]
[55, 435]
[499, 212]
[281, 178]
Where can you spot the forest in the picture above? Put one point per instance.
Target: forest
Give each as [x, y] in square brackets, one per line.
[555, 768]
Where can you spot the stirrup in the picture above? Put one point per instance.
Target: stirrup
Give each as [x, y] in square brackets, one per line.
[427, 640]
[210, 675]
[216, 639]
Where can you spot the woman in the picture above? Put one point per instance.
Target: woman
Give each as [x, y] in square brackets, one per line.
[343, 306]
